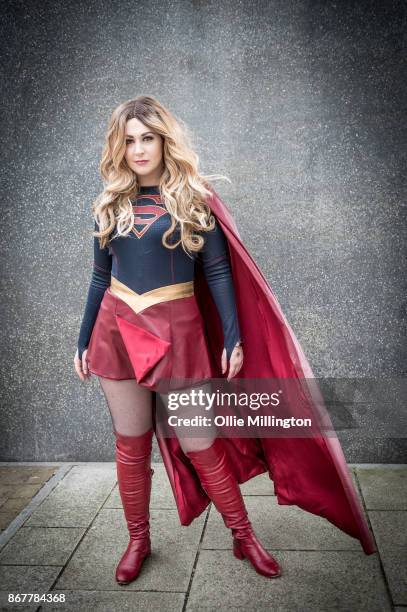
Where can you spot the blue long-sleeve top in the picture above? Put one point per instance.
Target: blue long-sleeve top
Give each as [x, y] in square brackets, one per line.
[140, 261]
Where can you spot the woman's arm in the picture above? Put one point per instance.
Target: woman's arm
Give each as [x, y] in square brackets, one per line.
[102, 265]
[214, 258]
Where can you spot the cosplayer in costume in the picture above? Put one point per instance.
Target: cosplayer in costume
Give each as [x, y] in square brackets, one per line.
[157, 314]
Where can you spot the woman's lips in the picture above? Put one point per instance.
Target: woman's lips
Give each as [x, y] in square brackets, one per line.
[142, 161]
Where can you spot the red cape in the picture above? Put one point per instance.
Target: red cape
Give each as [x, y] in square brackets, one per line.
[310, 472]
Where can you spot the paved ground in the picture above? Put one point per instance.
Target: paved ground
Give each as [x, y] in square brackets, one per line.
[69, 538]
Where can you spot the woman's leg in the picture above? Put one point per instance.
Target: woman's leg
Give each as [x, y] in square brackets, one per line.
[218, 480]
[130, 408]
[209, 457]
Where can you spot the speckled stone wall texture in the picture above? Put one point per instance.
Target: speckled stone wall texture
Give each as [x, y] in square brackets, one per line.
[302, 104]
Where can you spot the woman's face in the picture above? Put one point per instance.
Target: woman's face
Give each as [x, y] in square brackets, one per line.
[144, 144]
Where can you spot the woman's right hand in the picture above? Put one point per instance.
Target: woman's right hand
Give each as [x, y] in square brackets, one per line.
[81, 365]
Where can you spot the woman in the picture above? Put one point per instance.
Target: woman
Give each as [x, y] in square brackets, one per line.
[166, 251]
[147, 154]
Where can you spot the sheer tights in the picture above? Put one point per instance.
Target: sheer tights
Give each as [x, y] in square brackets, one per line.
[130, 407]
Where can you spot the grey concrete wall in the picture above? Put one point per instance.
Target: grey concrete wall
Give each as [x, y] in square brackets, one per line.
[302, 104]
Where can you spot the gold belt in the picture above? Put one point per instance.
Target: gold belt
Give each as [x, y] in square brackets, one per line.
[140, 301]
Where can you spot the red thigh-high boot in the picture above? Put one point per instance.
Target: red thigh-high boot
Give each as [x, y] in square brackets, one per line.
[222, 488]
[134, 472]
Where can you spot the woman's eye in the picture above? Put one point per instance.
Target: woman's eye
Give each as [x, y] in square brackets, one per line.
[145, 138]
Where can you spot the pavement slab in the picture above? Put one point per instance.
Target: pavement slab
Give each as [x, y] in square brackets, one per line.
[169, 567]
[384, 488]
[40, 546]
[17, 579]
[311, 580]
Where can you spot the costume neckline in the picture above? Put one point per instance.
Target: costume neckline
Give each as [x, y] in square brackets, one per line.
[153, 189]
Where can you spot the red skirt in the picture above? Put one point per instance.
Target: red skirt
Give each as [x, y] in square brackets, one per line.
[162, 345]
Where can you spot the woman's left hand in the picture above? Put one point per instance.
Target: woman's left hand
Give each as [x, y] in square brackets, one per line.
[236, 362]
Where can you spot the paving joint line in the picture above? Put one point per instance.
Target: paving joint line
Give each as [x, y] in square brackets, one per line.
[381, 566]
[198, 551]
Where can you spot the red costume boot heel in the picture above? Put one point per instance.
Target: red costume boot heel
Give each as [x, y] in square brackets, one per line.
[134, 474]
[221, 486]
[236, 550]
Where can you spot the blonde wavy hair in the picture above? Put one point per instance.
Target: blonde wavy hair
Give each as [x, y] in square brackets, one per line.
[183, 189]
